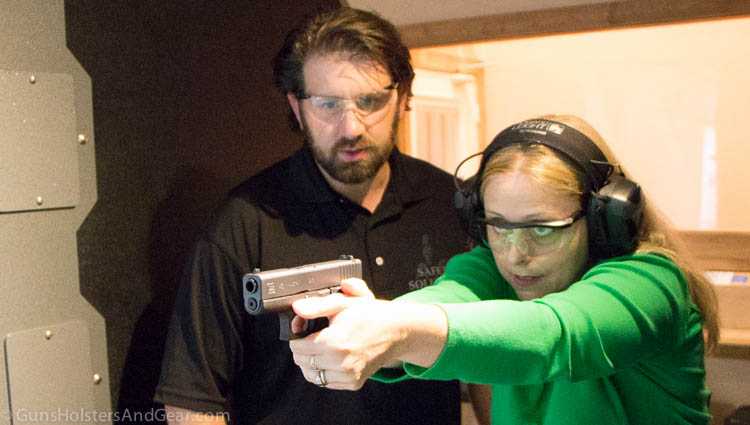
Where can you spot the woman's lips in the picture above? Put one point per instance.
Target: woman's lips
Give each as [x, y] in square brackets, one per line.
[525, 280]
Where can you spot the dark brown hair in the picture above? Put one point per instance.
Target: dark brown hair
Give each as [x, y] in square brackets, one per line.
[363, 36]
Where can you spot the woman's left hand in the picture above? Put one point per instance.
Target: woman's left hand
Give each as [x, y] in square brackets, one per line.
[359, 340]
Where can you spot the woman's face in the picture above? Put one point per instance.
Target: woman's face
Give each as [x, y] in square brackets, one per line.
[532, 266]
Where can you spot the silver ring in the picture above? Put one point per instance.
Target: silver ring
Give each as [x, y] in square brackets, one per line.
[312, 363]
[320, 379]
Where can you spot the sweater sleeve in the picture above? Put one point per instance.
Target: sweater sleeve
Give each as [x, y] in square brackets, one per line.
[622, 311]
[468, 277]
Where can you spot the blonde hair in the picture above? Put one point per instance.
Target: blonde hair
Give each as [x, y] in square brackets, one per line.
[655, 235]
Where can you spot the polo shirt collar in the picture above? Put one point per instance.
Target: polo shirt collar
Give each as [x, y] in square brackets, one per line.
[405, 183]
[306, 181]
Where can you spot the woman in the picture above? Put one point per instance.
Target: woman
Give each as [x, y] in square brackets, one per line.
[576, 307]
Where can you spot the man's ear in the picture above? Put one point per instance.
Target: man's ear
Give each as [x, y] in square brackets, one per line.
[294, 103]
[402, 106]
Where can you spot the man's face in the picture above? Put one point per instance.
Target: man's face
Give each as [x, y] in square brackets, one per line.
[350, 140]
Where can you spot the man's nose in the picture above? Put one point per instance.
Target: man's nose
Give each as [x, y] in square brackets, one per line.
[351, 124]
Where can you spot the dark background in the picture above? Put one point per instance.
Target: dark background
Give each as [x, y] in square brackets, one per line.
[184, 109]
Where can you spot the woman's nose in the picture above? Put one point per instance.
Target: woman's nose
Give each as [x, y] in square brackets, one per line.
[517, 250]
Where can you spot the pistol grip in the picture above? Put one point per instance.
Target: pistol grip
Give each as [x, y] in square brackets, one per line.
[285, 326]
[311, 326]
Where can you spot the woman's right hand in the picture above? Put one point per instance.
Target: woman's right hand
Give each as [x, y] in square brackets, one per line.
[366, 334]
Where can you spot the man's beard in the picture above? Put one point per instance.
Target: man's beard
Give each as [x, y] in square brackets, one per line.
[353, 172]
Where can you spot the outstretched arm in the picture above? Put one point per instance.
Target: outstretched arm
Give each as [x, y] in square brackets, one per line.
[366, 334]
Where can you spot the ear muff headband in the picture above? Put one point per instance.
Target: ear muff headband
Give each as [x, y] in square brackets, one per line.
[567, 141]
[613, 217]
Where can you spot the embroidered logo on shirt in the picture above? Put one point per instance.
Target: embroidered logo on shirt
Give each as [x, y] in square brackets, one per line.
[426, 249]
[427, 272]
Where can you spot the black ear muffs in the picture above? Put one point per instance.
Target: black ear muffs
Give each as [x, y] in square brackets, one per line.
[614, 217]
[469, 208]
[614, 207]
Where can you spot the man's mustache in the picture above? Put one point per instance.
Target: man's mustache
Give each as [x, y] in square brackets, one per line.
[352, 143]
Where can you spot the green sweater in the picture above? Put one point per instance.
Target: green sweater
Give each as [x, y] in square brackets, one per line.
[624, 345]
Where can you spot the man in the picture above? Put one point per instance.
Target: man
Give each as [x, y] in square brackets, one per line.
[348, 191]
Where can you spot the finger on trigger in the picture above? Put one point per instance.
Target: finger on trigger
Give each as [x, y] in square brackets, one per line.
[356, 287]
[298, 324]
[311, 308]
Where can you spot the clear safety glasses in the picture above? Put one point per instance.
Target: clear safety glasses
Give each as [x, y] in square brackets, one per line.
[533, 238]
[370, 108]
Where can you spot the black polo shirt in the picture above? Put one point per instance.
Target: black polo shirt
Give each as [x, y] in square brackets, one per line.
[219, 358]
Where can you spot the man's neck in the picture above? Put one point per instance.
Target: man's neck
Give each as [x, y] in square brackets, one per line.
[368, 194]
